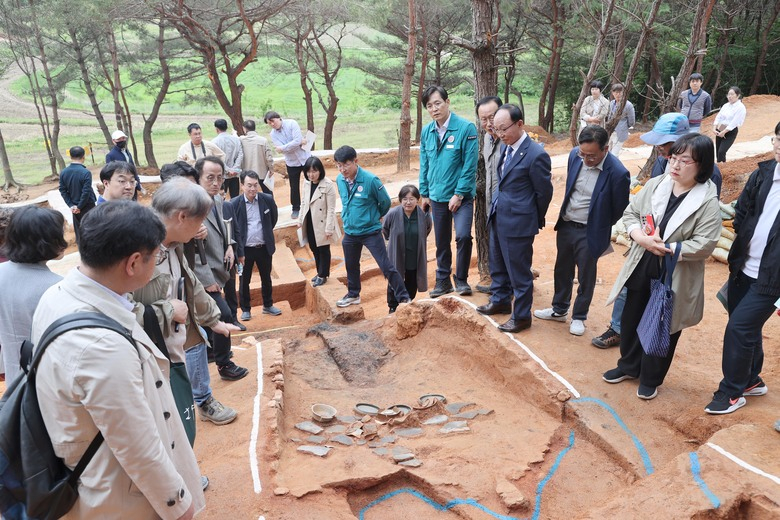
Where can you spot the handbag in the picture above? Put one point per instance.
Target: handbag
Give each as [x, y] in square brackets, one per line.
[654, 327]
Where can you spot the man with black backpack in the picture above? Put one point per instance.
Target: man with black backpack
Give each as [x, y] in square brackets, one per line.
[91, 380]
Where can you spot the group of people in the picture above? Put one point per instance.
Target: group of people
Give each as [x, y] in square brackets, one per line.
[168, 273]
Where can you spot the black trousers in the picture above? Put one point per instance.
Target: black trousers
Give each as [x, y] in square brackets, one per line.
[220, 343]
[256, 255]
[572, 243]
[231, 186]
[321, 253]
[410, 282]
[633, 361]
[77, 222]
[294, 176]
[231, 297]
[722, 144]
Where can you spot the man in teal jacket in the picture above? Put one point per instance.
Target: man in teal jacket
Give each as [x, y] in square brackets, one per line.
[448, 182]
[364, 202]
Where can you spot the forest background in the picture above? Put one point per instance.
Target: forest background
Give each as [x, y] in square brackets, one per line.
[350, 70]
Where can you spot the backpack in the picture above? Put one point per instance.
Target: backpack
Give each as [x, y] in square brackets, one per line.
[34, 482]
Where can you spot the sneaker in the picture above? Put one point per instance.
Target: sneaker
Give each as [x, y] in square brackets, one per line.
[319, 280]
[609, 339]
[348, 300]
[615, 376]
[204, 482]
[216, 412]
[443, 286]
[232, 372]
[577, 327]
[462, 287]
[758, 388]
[272, 310]
[549, 314]
[723, 404]
[646, 392]
[246, 316]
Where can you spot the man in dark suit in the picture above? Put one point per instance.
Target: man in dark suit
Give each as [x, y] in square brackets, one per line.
[255, 216]
[120, 153]
[596, 195]
[219, 256]
[516, 215]
[76, 188]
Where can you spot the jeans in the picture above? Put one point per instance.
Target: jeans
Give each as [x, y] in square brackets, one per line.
[353, 247]
[443, 220]
[617, 310]
[743, 350]
[197, 364]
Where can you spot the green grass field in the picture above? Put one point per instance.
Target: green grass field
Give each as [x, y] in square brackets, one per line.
[364, 120]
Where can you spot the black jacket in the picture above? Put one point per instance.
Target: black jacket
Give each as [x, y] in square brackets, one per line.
[749, 207]
[268, 214]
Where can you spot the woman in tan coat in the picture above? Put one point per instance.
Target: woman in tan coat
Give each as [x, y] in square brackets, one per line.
[685, 210]
[318, 216]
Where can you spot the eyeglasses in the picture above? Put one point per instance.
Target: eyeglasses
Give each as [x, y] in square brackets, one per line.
[212, 180]
[487, 120]
[502, 131]
[434, 104]
[161, 256]
[588, 156]
[776, 141]
[409, 200]
[679, 160]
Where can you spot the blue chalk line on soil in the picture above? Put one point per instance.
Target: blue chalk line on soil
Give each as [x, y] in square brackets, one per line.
[470, 501]
[696, 470]
[640, 448]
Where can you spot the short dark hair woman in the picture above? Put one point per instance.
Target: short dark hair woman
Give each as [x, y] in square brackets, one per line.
[684, 206]
[406, 229]
[33, 237]
[317, 217]
[727, 122]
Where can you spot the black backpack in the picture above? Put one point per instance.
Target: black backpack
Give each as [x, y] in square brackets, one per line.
[33, 480]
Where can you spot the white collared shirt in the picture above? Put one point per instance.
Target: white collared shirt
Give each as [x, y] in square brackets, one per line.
[441, 130]
[254, 223]
[582, 192]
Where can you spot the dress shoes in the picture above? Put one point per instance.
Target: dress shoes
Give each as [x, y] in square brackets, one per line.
[513, 325]
[495, 308]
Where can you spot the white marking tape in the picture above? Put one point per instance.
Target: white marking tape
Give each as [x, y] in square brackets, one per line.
[744, 464]
[528, 351]
[256, 424]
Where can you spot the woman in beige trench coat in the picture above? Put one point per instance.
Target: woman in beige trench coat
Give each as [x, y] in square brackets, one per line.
[318, 217]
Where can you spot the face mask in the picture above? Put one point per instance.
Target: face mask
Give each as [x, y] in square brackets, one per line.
[121, 144]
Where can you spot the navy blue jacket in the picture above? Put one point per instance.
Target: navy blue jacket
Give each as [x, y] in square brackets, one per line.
[609, 200]
[268, 214]
[660, 167]
[76, 186]
[524, 191]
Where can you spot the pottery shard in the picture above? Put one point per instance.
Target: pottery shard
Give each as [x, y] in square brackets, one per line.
[309, 427]
[319, 451]
[454, 408]
[342, 439]
[455, 427]
[412, 463]
[409, 432]
[400, 457]
[437, 419]
[316, 439]
[467, 415]
[510, 495]
[281, 491]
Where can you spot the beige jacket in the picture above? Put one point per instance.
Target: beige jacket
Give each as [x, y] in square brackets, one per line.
[323, 211]
[92, 379]
[190, 153]
[258, 156]
[696, 224]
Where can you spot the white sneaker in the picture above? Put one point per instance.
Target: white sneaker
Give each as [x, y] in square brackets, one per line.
[348, 300]
[549, 314]
[577, 327]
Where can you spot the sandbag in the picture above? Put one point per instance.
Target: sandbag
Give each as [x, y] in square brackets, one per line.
[724, 243]
[727, 233]
[721, 255]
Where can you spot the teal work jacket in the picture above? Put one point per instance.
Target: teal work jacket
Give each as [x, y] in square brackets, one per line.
[364, 204]
[449, 167]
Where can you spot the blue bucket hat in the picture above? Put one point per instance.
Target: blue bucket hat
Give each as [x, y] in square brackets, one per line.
[667, 129]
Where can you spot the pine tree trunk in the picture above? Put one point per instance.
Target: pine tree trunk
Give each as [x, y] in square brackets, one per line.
[405, 135]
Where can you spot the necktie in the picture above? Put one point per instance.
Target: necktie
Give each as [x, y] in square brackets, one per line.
[508, 158]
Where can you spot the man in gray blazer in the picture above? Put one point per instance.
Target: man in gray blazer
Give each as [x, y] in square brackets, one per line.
[215, 272]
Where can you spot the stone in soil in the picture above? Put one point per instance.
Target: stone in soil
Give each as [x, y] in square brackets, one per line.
[319, 451]
[413, 463]
[437, 419]
[309, 427]
[358, 354]
[455, 427]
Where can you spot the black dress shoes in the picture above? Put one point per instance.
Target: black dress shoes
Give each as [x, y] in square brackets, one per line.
[495, 308]
[512, 325]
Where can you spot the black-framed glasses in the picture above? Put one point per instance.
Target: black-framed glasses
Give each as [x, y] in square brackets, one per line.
[161, 256]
